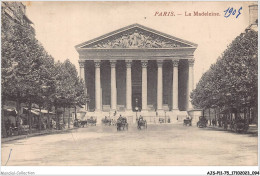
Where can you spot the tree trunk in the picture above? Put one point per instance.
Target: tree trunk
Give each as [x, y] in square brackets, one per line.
[48, 119]
[63, 116]
[30, 117]
[57, 119]
[18, 117]
[75, 108]
[40, 119]
[18, 109]
[69, 119]
[209, 118]
[215, 114]
[4, 134]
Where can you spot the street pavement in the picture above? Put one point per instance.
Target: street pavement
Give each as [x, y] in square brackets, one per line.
[159, 145]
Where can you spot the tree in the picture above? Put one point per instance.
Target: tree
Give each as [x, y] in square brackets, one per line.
[69, 88]
[30, 75]
[232, 81]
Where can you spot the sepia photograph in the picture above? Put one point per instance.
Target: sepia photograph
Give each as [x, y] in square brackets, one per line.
[120, 83]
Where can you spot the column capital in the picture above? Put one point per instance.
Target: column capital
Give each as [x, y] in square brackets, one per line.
[144, 63]
[97, 63]
[128, 63]
[175, 62]
[81, 64]
[113, 63]
[160, 63]
[191, 62]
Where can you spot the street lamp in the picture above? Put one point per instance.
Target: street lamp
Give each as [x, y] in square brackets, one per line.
[136, 107]
[165, 115]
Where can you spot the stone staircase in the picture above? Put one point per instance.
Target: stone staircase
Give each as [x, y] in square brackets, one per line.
[149, 116]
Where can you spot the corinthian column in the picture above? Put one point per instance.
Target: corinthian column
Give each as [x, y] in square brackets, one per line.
[175, 93]
[159, 85]
[128, 85]
[82, 76]
[97, 85]
[144, 85]
[82, 70]
[190, 83]
[113, 85]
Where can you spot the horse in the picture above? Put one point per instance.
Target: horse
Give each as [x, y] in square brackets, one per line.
[161, 120]
[83, 123]
[141, 123]
[122, 124]
[106, 121]
[92, 121]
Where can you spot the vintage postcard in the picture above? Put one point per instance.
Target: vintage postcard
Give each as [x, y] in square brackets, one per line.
[129, 84]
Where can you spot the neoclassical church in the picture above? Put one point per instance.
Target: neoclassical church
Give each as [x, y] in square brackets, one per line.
[137, 69]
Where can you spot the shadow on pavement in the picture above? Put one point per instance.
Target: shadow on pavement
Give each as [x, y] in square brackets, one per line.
[252, 131]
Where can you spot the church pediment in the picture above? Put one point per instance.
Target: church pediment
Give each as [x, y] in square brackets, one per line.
[136, 36]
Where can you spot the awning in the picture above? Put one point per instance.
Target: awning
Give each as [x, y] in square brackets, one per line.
[10, 111]
[37, 111]
[44, 111]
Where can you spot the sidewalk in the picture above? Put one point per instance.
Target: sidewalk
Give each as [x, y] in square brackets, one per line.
[253, 129]
[44, 132]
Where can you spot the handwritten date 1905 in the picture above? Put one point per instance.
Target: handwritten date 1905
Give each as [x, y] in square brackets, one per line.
[232, 11]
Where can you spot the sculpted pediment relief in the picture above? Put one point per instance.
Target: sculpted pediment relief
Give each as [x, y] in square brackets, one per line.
[136, 38]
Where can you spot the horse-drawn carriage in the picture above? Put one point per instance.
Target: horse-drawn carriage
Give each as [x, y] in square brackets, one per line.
[187, 122]
[141, 123]
[106, 121]
[239, 125]
[161, 120]
[92, 121]
[113, 122]
[121, 124]
[202, 123]
[80, 123]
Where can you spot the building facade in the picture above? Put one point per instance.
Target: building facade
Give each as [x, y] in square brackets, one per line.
[139, 69]
[16, 12]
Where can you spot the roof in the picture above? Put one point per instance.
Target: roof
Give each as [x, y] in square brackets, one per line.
[79, 46]
[29, 21]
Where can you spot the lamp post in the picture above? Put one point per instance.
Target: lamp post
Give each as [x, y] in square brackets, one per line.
[165, 116]
[228, 94]
[136, 107]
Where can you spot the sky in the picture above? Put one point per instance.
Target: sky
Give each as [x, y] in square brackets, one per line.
[62, 25]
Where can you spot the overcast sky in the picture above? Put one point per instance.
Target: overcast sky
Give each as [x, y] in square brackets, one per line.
[62, 25]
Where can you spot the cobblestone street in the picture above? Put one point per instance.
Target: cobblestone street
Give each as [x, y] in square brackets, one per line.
[164, 144]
